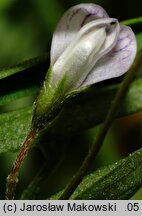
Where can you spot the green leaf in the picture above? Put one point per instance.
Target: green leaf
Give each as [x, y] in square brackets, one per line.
[14, 127]
[117, 181]
[20, 94]
[22, 66]
[82, 111]
[18, 99]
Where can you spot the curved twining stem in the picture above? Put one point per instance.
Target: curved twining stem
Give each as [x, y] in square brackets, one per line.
[116, 103]
[12, 178]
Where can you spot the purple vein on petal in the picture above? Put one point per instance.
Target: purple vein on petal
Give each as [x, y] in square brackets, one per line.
[126, 57]
[71, 15]
[88, 16]
[123, 48]
[74, 13]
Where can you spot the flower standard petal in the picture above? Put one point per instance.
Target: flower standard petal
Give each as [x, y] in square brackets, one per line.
[117, 61]
[70, 24]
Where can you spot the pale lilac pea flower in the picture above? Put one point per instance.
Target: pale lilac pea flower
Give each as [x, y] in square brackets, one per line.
[89, 47]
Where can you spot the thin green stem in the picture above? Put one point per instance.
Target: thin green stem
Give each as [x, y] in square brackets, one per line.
[133, 21]
[116, 103]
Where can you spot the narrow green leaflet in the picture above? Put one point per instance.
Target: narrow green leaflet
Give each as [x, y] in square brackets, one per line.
[19, 94]
[87, 109]
[117, 181]
[18, 99]
[22, 66]
[14, 127]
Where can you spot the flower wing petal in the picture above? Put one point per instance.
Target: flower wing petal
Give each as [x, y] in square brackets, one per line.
[117, 61]
[70, 24]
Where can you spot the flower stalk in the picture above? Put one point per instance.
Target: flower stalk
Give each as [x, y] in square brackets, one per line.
[12, 178]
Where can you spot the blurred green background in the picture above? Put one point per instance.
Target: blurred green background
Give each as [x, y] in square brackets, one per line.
[26, 28]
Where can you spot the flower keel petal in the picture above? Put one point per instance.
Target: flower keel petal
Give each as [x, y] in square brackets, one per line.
[75, 62]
